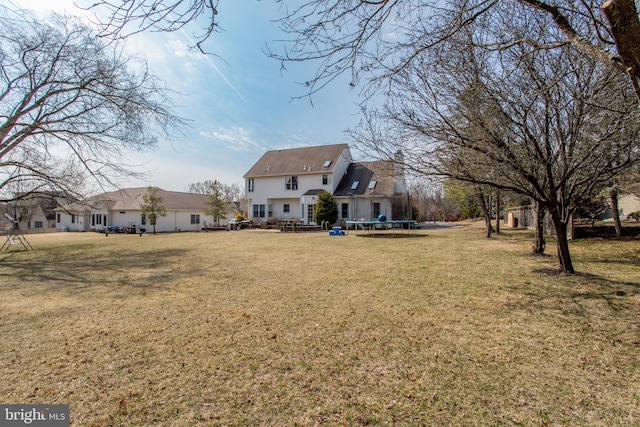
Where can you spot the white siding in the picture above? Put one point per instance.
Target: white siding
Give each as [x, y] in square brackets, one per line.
[628, 204]
[178, 221]
[72, 222]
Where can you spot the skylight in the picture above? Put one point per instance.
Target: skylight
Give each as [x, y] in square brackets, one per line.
[355, 185]
[327, 164]
[372, 185]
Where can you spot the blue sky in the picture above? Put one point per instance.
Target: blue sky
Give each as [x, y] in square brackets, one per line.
[239, 103]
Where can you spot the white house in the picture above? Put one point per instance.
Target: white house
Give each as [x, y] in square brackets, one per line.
[35, 214]
[628, 204]
[284, 185]
[122, 209]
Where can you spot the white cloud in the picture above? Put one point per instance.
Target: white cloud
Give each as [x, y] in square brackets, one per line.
[180, 48]
[235, 138]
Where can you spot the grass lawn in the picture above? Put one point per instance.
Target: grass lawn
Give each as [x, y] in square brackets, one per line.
[256, 328]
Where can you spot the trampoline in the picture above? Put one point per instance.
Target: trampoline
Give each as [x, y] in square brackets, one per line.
[382, 227]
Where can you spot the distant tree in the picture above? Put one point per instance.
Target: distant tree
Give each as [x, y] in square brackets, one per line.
[230, 192]
[71, 106]
[152, 206]
[199, 187]
[217, 203]
[233, 192]
[483, 196]
[421, 191]
[326, 209]
[592, 208]
[464, 196]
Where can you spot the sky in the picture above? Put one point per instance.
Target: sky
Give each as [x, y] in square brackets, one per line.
[238, 102]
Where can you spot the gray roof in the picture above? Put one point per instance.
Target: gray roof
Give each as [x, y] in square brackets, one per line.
[364, 173]
[314, 192]
[132, 198]
[297, 161]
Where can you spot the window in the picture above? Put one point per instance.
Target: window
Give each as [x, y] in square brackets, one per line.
[258, 211]
[372, 185]
[73, 219]
[104, 220]
[270, 211]
[327, 164]
[285, 208]
[355, 185]
[195, 219]
[250, 184]
[37, 224]
[143, 219]
[58, 218]
[96, 219]
[291, 183]
[345, 210]
[376, 210]
[325, 179]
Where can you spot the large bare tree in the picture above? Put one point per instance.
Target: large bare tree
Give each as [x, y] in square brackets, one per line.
[551, 125]
[119, 18]
[373, 38]
[72, 106]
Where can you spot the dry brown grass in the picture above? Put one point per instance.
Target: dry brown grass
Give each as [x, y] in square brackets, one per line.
[257, 328]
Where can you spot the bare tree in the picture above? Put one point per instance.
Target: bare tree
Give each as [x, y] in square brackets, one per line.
[72, 106]
[556, 139]
[370, 38]
[233, 192]
[203, 187]
[374, 40]
[124, 18]
[230, 192]
[421, 192]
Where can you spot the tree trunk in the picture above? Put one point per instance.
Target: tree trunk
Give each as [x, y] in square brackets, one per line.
[538, 220]
[625, 27]
[564, 257]
[485, 210]
[497, 213]
[613, 198]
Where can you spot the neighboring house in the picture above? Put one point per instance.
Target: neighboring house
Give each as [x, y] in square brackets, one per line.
[628, 204]
[284, 184]
[523, 217]
[122, 209]
[36, 214]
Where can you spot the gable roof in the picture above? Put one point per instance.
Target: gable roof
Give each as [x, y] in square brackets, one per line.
[297, 161]
[382, 172]
[131, 199]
